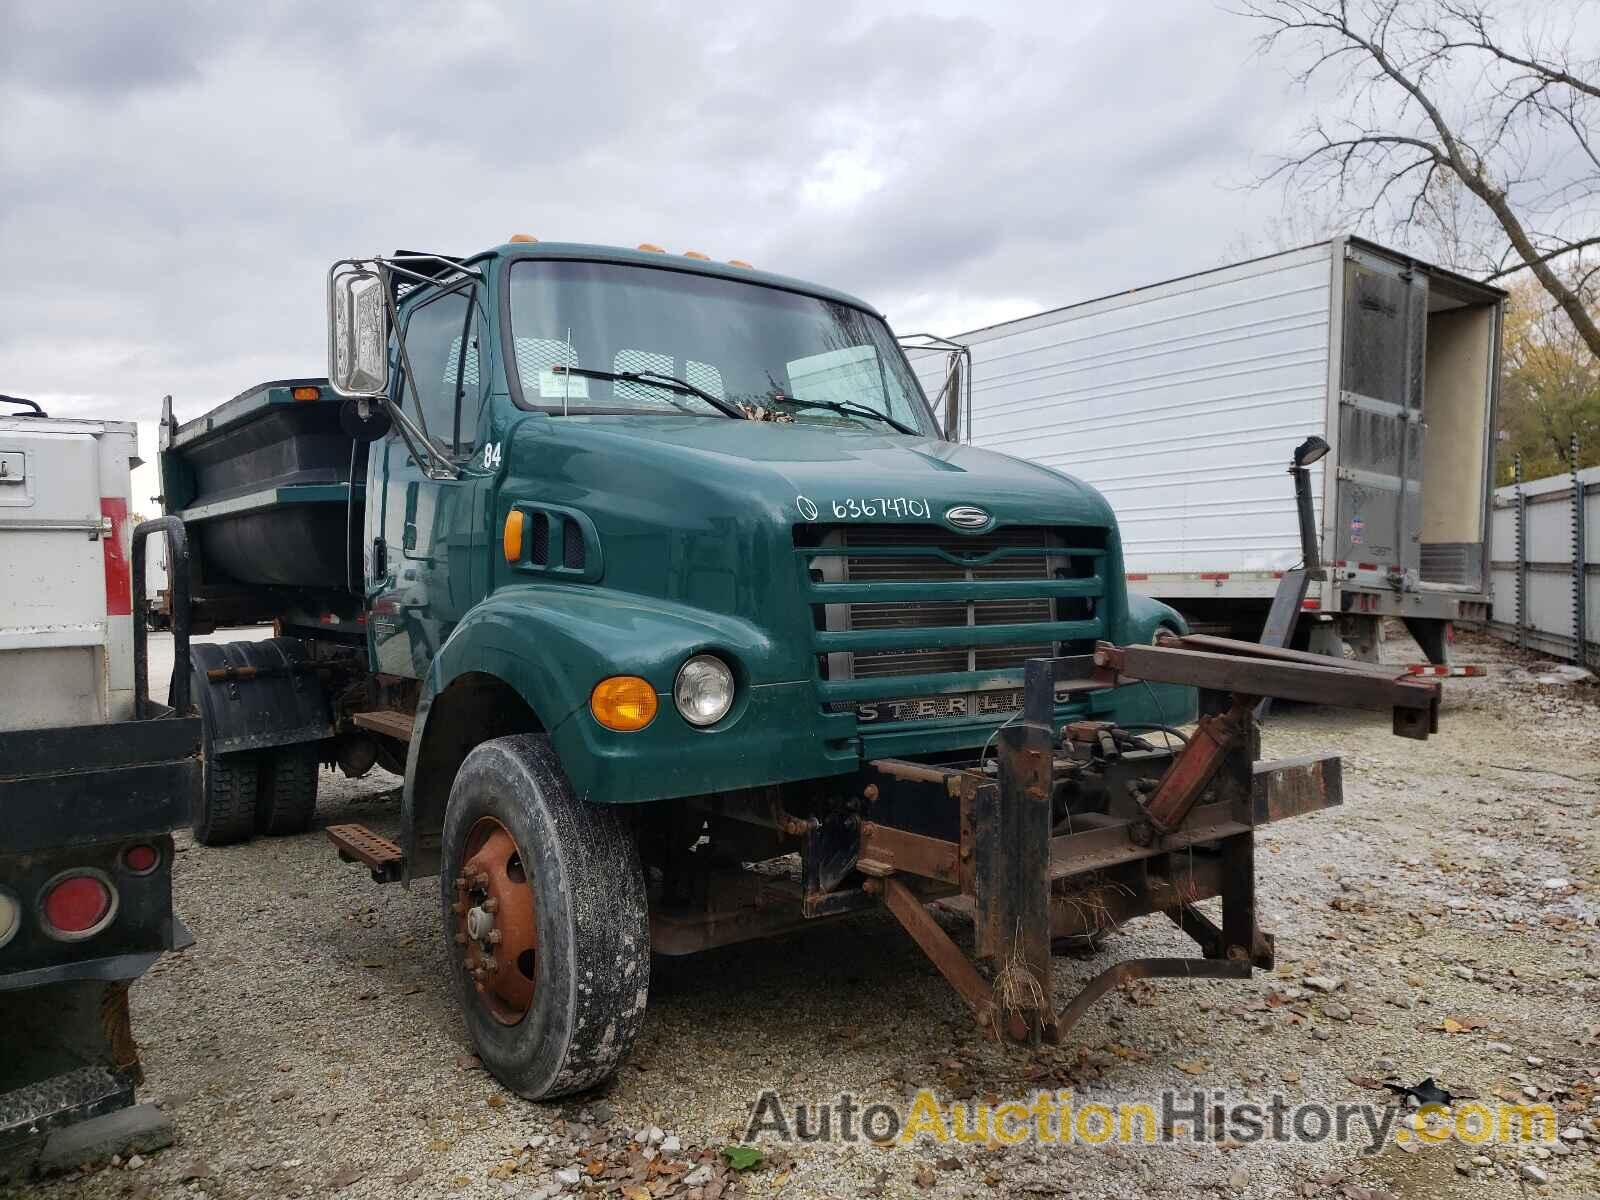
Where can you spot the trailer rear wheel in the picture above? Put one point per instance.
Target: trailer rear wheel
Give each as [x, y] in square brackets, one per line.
[546, 920]
[286, 799]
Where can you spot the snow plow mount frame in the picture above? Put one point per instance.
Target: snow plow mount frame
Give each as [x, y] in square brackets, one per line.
[1068, 832]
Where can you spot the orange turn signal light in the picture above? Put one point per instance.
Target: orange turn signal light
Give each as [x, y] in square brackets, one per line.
[623, 702]
[511, 535]
[523, 237]
[307, 393]
[652, 247]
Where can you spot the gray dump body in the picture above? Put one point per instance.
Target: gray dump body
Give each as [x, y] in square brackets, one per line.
[1183, 401]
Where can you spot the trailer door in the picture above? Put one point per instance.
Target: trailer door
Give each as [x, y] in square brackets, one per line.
[1380, 416]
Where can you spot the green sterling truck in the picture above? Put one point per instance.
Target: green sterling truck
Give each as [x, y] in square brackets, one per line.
[686, 622]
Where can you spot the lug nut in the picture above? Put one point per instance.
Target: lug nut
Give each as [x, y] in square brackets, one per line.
[491, 905]
[494, 937]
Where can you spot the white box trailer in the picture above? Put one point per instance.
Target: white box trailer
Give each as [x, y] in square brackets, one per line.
[1183, 402]
[66, 617]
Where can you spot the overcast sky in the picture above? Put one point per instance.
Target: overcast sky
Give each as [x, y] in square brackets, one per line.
[174, 179]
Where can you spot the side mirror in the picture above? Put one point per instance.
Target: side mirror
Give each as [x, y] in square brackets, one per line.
[358, 331]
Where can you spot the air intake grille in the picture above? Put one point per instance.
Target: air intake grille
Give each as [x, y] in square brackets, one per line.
[572, 546]
[540, 552]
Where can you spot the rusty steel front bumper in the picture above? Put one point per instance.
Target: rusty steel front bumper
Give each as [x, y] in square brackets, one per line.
[1068, 833]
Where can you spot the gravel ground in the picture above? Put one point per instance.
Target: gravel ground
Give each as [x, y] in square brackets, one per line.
[306, 1045]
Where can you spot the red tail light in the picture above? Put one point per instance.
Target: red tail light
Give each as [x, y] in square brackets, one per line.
[77, 904]
[141, 859]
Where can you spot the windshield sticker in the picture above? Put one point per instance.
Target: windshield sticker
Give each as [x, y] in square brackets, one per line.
[562, 387]
[865, 507]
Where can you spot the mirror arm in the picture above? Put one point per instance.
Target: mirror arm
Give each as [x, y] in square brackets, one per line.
[434, 465]
[441, 466]
[394, 265]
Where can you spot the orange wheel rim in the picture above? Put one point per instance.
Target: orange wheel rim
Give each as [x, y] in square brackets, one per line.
[497, 927]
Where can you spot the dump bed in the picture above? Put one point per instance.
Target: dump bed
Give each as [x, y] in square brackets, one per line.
[263, 483]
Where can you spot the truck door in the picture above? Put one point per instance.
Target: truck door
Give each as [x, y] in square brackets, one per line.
[1380, 416]
[424, 536]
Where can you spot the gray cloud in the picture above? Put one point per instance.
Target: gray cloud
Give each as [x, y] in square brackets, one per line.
[175, 179]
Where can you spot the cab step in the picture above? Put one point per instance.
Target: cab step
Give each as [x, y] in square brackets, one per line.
[387, 721]
[357, 843]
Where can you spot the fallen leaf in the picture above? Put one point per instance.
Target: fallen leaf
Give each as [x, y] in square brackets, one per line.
[496, 1101]
[1192, 1067]
[924, 1177]
[742, 1158]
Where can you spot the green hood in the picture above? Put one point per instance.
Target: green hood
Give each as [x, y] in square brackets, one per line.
[709, 469]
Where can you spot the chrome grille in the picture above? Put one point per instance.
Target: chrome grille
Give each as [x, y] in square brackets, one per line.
[921, 606]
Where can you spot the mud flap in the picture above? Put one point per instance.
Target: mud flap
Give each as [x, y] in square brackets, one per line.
[253, 695]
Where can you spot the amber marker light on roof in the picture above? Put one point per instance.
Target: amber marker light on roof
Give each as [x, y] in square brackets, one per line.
[523, 237]
[652, 247]
[697, 254]
[625, 703]
[739, 262]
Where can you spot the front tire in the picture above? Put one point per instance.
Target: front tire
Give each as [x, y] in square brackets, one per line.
[546, 921]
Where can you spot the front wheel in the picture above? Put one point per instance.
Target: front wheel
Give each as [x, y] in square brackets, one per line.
[546, 919]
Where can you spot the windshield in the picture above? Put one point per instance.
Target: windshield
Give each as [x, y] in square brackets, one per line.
[807, 358]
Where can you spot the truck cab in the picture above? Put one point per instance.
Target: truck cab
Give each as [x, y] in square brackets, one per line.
[628, 551]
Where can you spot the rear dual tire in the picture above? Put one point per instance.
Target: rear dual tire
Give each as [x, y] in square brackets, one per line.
[286, 798]
[272, 791]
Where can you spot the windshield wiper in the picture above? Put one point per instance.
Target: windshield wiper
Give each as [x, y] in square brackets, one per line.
[670, 382]
[847, 407]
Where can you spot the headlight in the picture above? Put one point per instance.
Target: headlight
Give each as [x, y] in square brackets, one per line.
[704, 690]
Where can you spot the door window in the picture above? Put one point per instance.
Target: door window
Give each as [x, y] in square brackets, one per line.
[442, 342]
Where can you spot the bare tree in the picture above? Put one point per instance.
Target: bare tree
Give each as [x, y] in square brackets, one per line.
[1436, 98]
